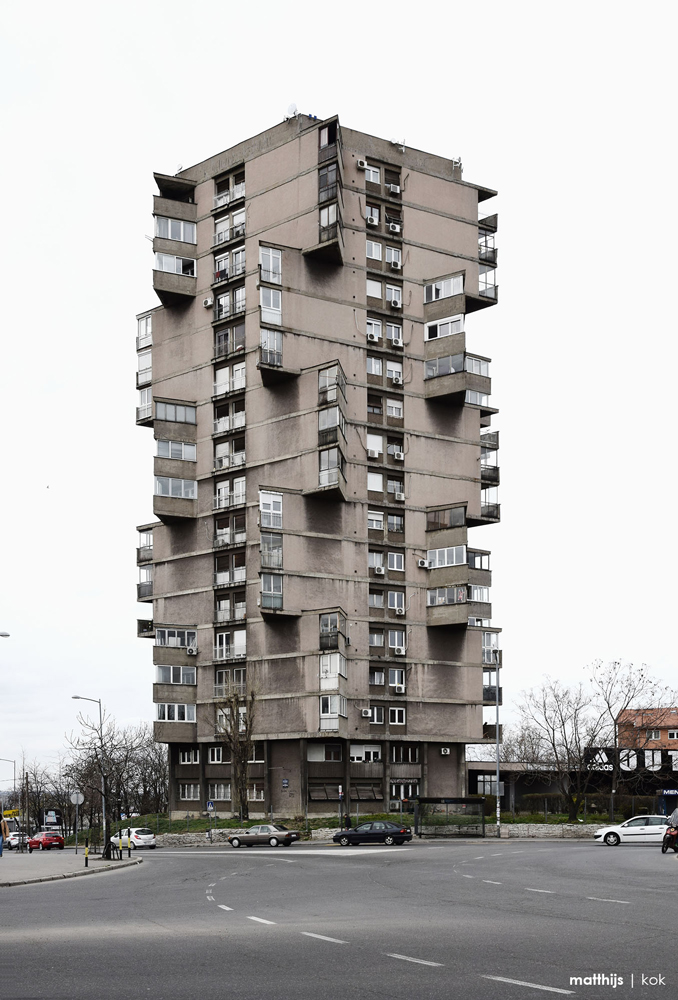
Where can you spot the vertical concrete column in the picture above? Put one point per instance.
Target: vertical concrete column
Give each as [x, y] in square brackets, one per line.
[461, 770]
[347, 775]
[424, 769]
[303, 777]
[268, 803]
[386, 781]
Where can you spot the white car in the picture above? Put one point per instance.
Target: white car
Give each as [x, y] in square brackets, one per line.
[135, 836]
[638, 830]
[14, 840]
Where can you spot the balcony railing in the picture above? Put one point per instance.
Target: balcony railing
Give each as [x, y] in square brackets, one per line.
[329, 477]
[224, 690]
[225, 273]
[144, 412]
[269, 357]
[145, 589]
[229, 537]
[272, 601]
[328, 233]
[230, 385]
[490, 510]
[232, 423]
[270, 519]
[145, 340]
[144, 377]
[238, 458]
[327, 152]
[327, 193]
[489, 473]
[329, 640]
[224, 500]
[490, 694]
[489, 439]
[224, 311]
[228, 342]
[144, 553]
[492, 656]
[271, 558]
[230, 614]
[272, 277]
[230, 652]
[225, 577]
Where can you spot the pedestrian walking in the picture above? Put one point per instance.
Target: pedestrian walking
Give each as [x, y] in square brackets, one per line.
[347, 822]
[4, 833]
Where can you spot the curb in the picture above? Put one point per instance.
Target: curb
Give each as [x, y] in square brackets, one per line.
[83, 871]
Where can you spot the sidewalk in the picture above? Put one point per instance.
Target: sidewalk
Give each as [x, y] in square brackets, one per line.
[45, 866]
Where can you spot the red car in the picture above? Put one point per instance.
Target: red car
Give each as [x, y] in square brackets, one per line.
[45, 841]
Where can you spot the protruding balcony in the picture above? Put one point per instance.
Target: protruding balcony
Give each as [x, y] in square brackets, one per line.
[144, 553]
[222, 539]
[174, 289]
[222, 425]
[273, 606]
[490, 733]
[230, 651]
[230, 614]
[454, 608]
[223, 501]
[228, 578]
[170, 509]
[144, 377]
[454, 377]
[145, 590]
[271, 366]
[489, 475]
[145, 414]
[225, 690]
[490, 694]
[490, 513]
[145, 628]
[330, 245]
[331, 485]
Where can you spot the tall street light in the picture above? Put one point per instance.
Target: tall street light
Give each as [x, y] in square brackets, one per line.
[97, 701]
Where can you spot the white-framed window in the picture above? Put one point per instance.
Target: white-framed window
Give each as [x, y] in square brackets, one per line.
[176, 637]
[175, 675]
[404, 753]
[447, 365]
[404, 790]
[270, 261]
[394, 408]
[144, 331]
[375, 559]
[222, 230]
[375, 520]
[144, 366]
[394, 331]
[396, 600]
[394, 255]
[238, 220]
[184, 451]
[375, 599]
[332, 705]
[394, 485]
[373, 175]
[329, 380]
[376, 715]
[219, 791]
[271, 590]
[175, 229]
[394, 369]
[376, 676]
[477, 366]
[372, 250]
[175, 412]
[271, 305]
[396, 638]
[396, 676]
[394, 293]
[455, 555]
[446, 595]
[490, 645]
[175, 265]
[396, 562]
[477, 398]
[328, 215]
[332, 665]
[373, 212]
[189, 756]
[215, 755]
[375, 482]
[367, 753]
[271, 347]
[271, 509]
[145, 407]
[444, 327]
[373, 288]
[327, 135]
[672, 734]
[170, 712]
[331, 417]
[330, 466]
[238, 263]
[189, 792]
[373, 326]
[187, 489]
[255, 791]
[481, 594]
[375, 442]
[374, 366]
[376, 637]
[396, 717]
[396, 522]
[653, 734]
[444, 289]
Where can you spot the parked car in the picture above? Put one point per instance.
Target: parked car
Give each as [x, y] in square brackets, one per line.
[637, 830]
[45, 840]
[135, 836]
[272, 834]
[376, 832]
[14, 840]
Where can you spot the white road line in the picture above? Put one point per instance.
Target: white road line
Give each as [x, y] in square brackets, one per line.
[260, 920]
[490, 882]
[598, 899]
[419, 961]
[212, 885]
[519, 982]
[222, 907]
[467, 876]
[550, 891]
[210, 899]
[322, 937]
[479, 858]
[497, 855]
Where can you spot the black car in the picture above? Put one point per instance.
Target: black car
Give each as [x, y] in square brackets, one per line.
[377, 832]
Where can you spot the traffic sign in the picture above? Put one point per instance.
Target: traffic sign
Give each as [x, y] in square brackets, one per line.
[210, 806]
[286, 782]
[77, 798]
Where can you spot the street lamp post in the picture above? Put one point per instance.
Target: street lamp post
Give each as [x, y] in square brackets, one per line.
[97, 701]
[11, 761]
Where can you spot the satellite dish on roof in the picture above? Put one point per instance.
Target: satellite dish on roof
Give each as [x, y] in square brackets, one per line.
[292, 111]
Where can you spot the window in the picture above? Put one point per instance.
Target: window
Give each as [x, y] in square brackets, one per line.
[271, 347]
[376, 715]
[444, 328]
[328, 216]
[481, 594]
[373, 175]
[175, 675]
[323, 751]
[376, 637]
[375, 483]
[672, 734]
[373, 365]
[270, 261]
[404, 790]
[396, 716]
[653, 734]
[444, 289]
[332, 665]
[329, 380]
[373, 288]
[375, 405]
[369, 753]
[175, 713]
[331, 417]
[271, 550]
[376, 599]
[491, 647]
[396, 638]
[375, 520]
[396, 561]
[453, 556]
[331, 466]
[404, 753]
[437, 367]
[376, 676]
[189, 756]
[476, 398]
[446, 595]
[327, 135]
[394, 369]
[394, 408]
[255, 791]
[373, 250]
[271, 591]
[175, 229]
[181, 450]
[145, 407]
[271, 305]
[215, 755]
[373, 326]
[394, 293]
[332, 704]
[230, 644]
[189, 792]
[375, 559]
[144, 331]
[373, 212]
[176, 412]
[187, 489]
[175, 265]
[396, 677]
[396, 599]
[229, 378]
[144, 367]
[375, 442]
[478, 560]
[270, 507]
[327, 183]
[451, 517]
[229, 339]
[220, 791]
[395, 485]
[394, 445]
[477, 366]
[396, 522]
[394, 331]
[393, 255]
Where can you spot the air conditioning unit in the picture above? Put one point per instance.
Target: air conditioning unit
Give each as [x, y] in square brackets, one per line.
[395, 304]
[366, 713]
[399, 651]
[208, 303]
[400, 689]
[394, 227]
[400, 497]
[422, 563]
[373, 338]
[396, 265]
[400, 611]
[361, 164]
[445, 751]
[372, 453]
[378, 570]
[399, 456]
[192, 650]
[394, 189]
[397, 380]
[396, 341]
[372, 220]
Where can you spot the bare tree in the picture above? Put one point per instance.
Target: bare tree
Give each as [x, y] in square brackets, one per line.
[234, 728]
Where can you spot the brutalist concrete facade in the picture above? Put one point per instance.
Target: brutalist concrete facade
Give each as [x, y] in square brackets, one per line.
[322, 452]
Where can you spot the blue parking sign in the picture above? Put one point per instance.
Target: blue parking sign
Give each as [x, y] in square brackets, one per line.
[210, 806]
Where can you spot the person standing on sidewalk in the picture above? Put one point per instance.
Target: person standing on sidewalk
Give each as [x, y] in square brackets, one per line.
[4, 833]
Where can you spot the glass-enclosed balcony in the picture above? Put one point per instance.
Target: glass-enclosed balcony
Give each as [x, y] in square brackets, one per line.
[230, 651]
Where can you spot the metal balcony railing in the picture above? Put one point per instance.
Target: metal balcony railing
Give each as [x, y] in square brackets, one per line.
[269, 357]
[230, 652]
[238, 458]
[229, 537]
[144, 412]
[272, 277]
[224, 500]
[144, 377]
[226, 310]
[145, 589]
[225, 577]
[328, 193]
[230, 614]
[232, 423]
[224, 690]
[271, 558]
[230, 385]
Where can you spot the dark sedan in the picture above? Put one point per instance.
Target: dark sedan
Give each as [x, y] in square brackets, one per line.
[377, 832]
[45, 841]
[272, 834]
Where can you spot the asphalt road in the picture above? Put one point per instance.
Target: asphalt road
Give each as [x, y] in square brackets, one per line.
[426, 920]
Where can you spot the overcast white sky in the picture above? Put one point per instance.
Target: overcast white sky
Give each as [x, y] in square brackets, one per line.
[567, 109]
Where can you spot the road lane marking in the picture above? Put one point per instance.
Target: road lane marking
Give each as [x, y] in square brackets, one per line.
[467, 876]
[550, 891]
[212, 885]
[322, 937]
[222, 907]
[497, 855]
[419, 961]
[490, 882]
[533, 986]
[479, 858]
[260, 920]
[210, 899]
[598, 899]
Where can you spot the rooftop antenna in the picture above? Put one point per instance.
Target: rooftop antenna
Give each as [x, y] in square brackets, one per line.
[400, 143]
[180, 167]
[292, 111]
